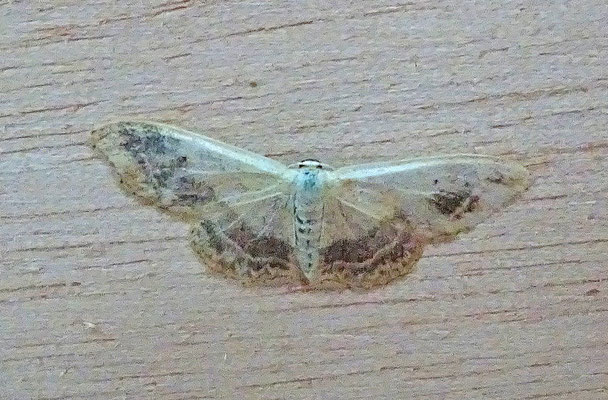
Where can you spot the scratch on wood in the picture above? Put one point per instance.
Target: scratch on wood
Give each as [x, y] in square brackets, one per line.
[116, 264]
[406, 7]
[514, 96]
[38, 148]
[484, 53]
[323, 377]
[176, 56]
[171, 7]
[91, 244]
[40, 287]
[273, 28]
[67, 107]
[65, 212]
[552, 197]
[520, 248]
[525, 266]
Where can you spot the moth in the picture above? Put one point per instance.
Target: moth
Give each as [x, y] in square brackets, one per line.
[262, 222]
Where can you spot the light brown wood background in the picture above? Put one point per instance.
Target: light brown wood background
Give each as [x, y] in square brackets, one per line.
[102, 298]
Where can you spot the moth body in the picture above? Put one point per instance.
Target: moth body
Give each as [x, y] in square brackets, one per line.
[307, 212]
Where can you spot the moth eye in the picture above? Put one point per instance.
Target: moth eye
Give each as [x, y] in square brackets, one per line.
[319, 166]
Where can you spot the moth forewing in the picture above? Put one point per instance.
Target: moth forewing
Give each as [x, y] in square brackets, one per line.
[180, 170]
[442, 195]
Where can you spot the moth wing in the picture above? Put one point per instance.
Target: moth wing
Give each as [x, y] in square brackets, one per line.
[365, 241]
[438, 196]
[252, 241]
[184, 172]
[236, 199]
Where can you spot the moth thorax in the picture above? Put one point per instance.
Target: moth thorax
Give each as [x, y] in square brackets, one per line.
[308, 187]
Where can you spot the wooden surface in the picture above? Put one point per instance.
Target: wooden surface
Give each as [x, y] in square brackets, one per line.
[101, 298]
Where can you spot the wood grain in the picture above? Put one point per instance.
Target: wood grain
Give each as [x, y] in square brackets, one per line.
[101, 298]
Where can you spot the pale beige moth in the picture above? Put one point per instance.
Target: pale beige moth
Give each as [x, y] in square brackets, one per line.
[262, 222]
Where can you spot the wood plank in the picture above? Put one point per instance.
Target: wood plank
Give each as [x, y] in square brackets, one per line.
[102, 298]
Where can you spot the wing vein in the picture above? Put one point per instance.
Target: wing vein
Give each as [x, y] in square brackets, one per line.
[359, 209]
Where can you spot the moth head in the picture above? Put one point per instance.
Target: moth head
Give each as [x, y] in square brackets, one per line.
[311, 163]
